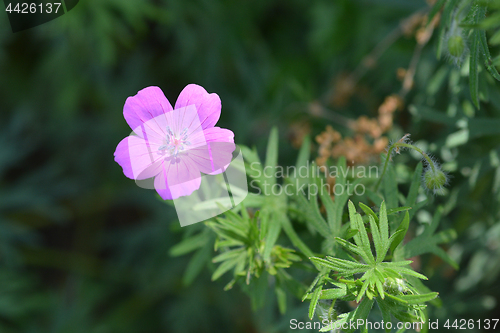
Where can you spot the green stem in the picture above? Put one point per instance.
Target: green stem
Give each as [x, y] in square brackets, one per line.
[406, 145]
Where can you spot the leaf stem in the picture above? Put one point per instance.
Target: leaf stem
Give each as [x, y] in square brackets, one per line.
[405, 145]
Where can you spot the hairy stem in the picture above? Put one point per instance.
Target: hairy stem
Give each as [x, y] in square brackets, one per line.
[406, 145]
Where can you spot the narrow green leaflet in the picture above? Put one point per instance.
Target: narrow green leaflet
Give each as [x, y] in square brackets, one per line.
[342, 266]
[281, 297]
[476, 48]
[368, 211]
[294, 238]
[314, 301]
[415, 299]
[189, 244]
[313, 216]
[197, 263]
[227, 265]
[384, 227]
[273, 232]
[361, 312]
[228, 255]
[435, 9]
[377, 279]
[397, 210]
[488, 61]
[271, 158]
[304, 153]
[390, 187]
[340, 200]
[428, 242]
[362, 240]
[377, 240]
[401, 230]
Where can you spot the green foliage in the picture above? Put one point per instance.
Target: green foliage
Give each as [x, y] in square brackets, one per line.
[82, 249]
[248, 242]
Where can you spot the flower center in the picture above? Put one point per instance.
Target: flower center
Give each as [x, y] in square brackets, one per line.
[175, 143]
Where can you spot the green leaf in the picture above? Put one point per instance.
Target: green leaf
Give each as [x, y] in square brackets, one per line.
[401, 232]
[396, 263]
[294, 238]
[271, 157]
[197, 263]
[225, 232]
[365, 285]
[304, 153]
[488, 62]
[313, 216]
[231, 227]
[411, 272]
[254, 165]
[313, 284]
[397, 210]
[258, 290]
[428, 242]
[368, 211]
[250, 155]
[379, 245]
[361, 239]
[314, 301]
[338, 266]
[384, 226]
[330, 211]
[228, 255]
[435, 9]
[418, 287]
[432, 115]
[293, 286]
[361, 312]
[375, 197]
[346, 263]
[227, 265]
[390, 187]
[189, 244]
[480, 127]
[273, 232]
[418, 299]
[480, 12]
[348, 234]
[334, 293]
[396, 309]
[281, 297]
[340, 200]
[349, 246]
[386, 313]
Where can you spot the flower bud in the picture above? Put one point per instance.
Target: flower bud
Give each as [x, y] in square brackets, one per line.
[456, 46]
[395, 286]
[435, 180]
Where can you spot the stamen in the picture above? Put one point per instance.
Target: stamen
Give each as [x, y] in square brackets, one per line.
[173, 143]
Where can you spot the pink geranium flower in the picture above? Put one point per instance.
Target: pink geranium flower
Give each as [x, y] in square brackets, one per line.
[174, 145]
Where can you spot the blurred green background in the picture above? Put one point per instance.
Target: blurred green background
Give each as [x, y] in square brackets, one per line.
[83, 249]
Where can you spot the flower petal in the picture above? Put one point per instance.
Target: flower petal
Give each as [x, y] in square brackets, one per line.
[137, 157]
[216, 154]
[207, 105]
[178, 177]
[145, 108]
[217, 134]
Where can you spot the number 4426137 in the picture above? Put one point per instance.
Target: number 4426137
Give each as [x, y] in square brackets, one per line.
[33, 8]
[463, 324]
